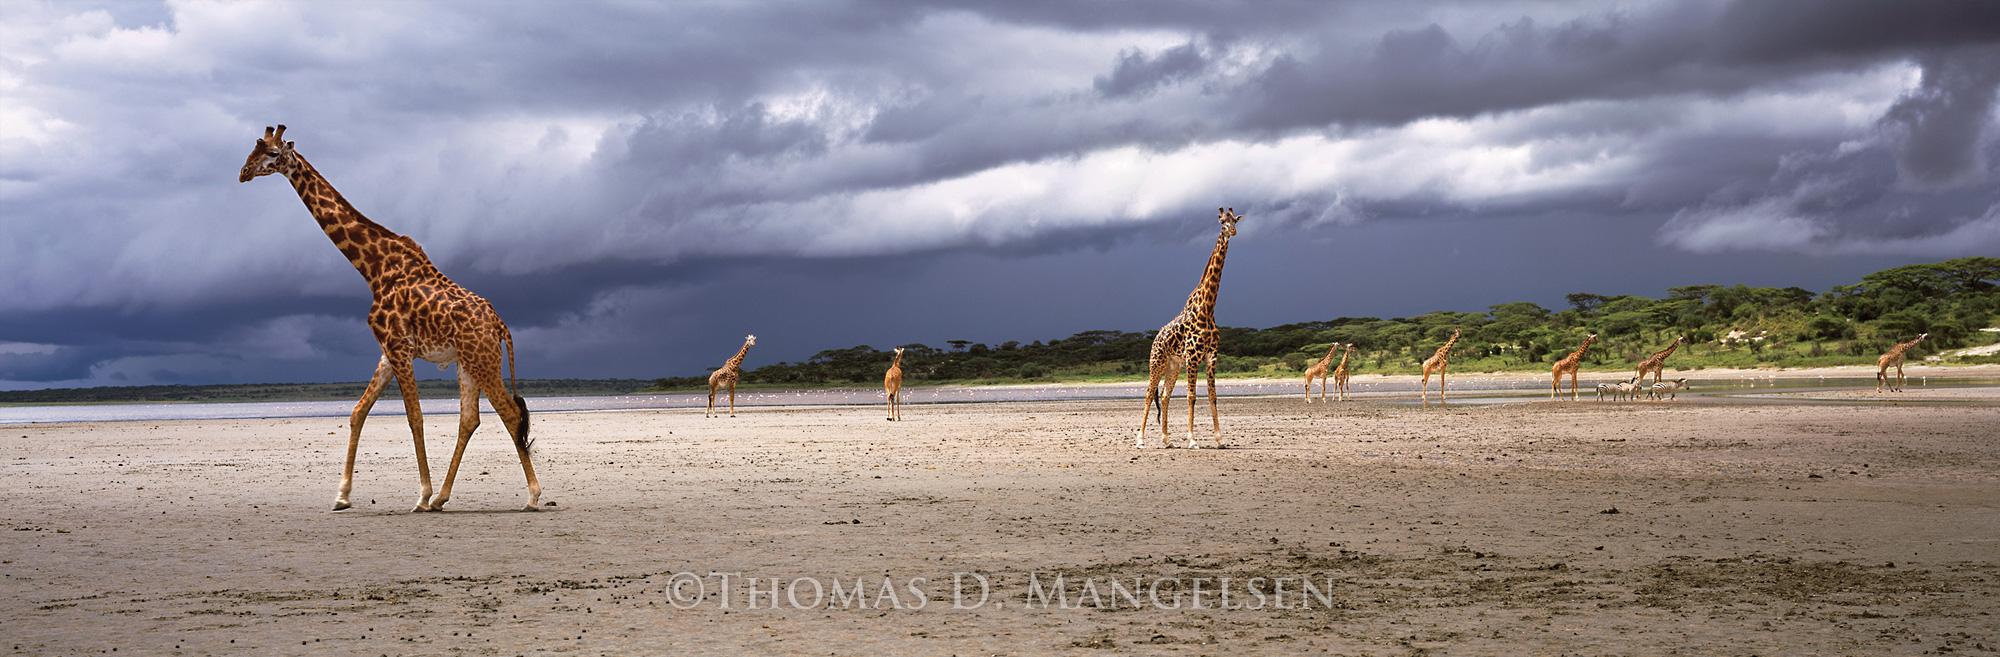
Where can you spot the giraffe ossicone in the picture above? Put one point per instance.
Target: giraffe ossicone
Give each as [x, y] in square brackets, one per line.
[417, 313]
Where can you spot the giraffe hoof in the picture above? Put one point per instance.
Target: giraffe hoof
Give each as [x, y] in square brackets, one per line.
[340, 505]
[531, 507]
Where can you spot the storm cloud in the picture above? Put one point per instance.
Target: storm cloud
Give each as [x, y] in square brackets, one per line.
[636, 185]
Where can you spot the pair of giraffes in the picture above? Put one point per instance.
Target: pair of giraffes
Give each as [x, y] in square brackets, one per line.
[1655, 365]
[892, 382]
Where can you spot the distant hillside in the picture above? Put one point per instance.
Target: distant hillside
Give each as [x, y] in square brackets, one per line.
[1727, 326]
[260, 392]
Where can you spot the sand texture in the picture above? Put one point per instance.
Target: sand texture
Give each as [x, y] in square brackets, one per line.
[1701, 527]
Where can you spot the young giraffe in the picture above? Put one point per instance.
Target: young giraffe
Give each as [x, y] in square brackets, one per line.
[1657, 362]
[1189, 340]
[893, 383]
[1436, 363]
[727, 377]
[1320, 370]
[1569, 366]
[417, 313]
[1894, 359]
[1340, 375]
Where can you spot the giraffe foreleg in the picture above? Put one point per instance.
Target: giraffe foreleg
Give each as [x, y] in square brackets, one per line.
[354, 422]
[413, 408]
[1193, 369]
[1215, 414]
[732, 399]
[468, 422]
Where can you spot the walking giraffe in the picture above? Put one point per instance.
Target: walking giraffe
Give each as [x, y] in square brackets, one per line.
[1189, 341]
[893, 384]
[1340, 375]
[417, 313]
[1436, 363]
[1894, 359]
[1657, 362]
[1320, 370]
[727, 375]
[1569, 365]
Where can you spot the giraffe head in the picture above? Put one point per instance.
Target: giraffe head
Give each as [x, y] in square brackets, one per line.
[1228, 218]
[749, 340]
[272, 154]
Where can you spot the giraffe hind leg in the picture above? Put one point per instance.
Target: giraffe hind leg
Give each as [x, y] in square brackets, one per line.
[468, 422]
[511, 416]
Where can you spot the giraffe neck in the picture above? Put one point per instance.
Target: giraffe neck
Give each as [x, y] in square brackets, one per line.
[1328, 358]
[1581, 350]
[1446, 349]
[1669, 351]
[737, 360]
[1343, 358]
[898, 362]
[369, 246]
[1202, 301]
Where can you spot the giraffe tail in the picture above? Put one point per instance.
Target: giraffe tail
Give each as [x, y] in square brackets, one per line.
[521, 438]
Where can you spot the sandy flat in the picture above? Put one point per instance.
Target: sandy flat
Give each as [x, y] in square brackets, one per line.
[1739, 528]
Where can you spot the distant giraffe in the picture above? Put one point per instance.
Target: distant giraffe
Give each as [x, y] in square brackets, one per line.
[1894, 359]
[1657, 362]
[1340, 375]
[893, 384]
[1189, 341]
[1569, 366]
[417, 313]
[727, 377]
[1436, 363]
[1319, 371]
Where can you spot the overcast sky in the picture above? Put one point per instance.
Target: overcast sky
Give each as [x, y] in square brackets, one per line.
[636, 185]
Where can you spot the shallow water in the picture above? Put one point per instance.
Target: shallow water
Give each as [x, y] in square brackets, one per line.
[1466, 391]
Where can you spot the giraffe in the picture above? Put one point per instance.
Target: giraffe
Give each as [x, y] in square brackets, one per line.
[1894, 359]
[417, 313]
[893, 384]
[1189, 341]
[727, 377]
[1320, 370]
[1657, 362]
[1340, 375]
[1436, 363]
[1569, 366]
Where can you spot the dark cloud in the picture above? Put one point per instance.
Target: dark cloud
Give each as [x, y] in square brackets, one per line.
[1939, 130]
[1138, 73]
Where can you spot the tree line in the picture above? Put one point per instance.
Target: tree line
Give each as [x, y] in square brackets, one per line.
[1726, 326]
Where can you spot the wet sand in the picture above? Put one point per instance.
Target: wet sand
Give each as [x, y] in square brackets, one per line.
[1761, 527]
